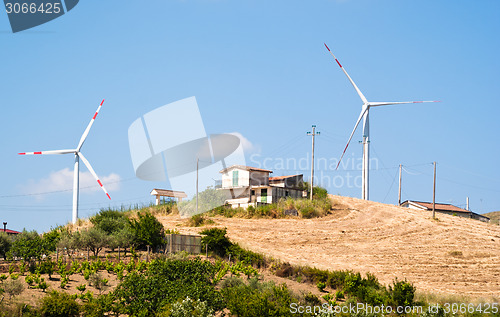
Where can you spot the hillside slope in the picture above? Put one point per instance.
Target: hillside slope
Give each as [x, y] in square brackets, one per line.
[452, 255]
[494, 216]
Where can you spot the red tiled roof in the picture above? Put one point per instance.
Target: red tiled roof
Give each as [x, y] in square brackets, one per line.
[440, 206]
[10, 231]
[277, 178]
[248, 168]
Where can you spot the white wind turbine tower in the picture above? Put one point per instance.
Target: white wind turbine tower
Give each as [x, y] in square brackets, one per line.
[78, 156]
[365, 109]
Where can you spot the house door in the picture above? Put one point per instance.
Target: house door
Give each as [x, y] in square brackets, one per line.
[263, 195]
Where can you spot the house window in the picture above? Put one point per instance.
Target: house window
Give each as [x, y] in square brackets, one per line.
[263, 195]
[235, 178]
[252, 193]
[286, 193]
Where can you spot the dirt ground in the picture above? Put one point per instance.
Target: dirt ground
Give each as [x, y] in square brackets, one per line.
[450, 255]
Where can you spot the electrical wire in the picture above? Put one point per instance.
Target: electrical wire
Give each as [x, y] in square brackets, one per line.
[393, 180]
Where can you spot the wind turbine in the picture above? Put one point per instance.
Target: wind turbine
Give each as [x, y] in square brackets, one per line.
[365, 110]
[78, 156]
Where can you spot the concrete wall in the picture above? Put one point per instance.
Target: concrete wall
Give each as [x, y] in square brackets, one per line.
[181, 242]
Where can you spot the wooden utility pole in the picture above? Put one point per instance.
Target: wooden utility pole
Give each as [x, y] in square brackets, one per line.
[434, 195]
[313, 134]
[197, 165]
[399, 192]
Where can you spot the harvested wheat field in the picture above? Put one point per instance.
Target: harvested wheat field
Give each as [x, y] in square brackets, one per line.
[450, 255]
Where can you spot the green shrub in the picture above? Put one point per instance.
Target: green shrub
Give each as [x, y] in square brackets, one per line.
[47, 267]
[402, 293]
[246, 256]
[319, 193]
[42, 285]
[216, 240]
[260, 299]
[103, 305]
[199, 220]
[147, 230]
[59, 304]
[321, 286]
[13, 287]
[143, 294]
[285, 270]
[308, 212]
[28, 245]
[18, 310]
[81, 288]
[51, 238]
[339, 295]
[336, 279]
[311, 300]
[98, 282]
[109, 220]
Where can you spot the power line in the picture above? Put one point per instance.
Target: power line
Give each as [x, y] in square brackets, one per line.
[393, 180]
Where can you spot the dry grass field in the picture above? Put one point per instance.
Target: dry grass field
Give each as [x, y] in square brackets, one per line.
[450, 255]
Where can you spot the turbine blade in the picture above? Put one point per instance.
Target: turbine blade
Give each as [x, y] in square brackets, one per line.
[350, 79]
[365, 108]
[84, 160]
[376, 104]
[86, 132]
[48, 152]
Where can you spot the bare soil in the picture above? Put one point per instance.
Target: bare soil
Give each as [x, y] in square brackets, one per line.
[451, 255]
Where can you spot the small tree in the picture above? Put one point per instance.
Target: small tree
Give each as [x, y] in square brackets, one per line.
[5, 244]
[70, 241]
[148, 230]
[95, 239]
[123, 239]
[110, 221]
[50, 239]
[28, 245]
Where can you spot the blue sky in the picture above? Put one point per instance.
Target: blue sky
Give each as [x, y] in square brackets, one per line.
[258, 68]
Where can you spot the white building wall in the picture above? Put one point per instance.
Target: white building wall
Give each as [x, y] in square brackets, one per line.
[243, 178]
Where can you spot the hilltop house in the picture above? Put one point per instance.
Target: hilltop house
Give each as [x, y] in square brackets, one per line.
[444, 209]
[251, 186]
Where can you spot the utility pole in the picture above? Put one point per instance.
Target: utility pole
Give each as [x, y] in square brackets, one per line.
[434, 195]
[399, 195]
[197, 165]
[313, 134]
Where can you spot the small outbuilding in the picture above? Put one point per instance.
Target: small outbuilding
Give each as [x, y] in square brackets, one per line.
[444, 209]
[167, 193]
